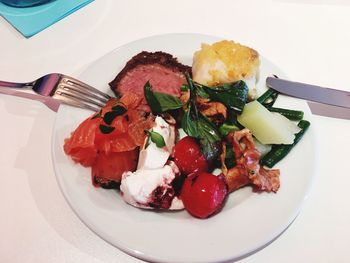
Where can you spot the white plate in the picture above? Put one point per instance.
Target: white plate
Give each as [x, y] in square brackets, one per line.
[248, 222]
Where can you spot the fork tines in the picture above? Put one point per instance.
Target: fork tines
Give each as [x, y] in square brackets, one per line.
[80, 94]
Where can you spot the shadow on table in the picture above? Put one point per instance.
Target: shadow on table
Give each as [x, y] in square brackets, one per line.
[35, 159]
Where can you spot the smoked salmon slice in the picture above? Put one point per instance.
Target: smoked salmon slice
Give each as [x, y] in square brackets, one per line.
[111, 153]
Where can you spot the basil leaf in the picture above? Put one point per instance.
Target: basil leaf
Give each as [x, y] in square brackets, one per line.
[160, 102]
[232, 95]
[205, 132]
[168, 102]
[156, 138]
[106, 129]
[209, 139]
[119, 110]
[151, 98]
[201, 92]
[111, 115]
[189, 126]
[184, 87]
[198, 126]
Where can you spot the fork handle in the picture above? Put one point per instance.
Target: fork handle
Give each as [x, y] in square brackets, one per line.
[16, 85]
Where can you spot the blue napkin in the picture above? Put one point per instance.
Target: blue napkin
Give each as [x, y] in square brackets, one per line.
[31, 20]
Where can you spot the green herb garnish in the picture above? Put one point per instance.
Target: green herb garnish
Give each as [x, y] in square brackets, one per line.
[198, 126]
[157, 138]
[184, 87]
[227, 128]
[233, 95]
[111, 115]
[118, 109]
[201, 92]
[106, 129]
[160, 102]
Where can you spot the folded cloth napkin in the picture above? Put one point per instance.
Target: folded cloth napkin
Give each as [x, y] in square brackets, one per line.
[31, 20]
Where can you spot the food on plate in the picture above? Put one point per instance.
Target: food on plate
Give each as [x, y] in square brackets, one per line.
[268, 127]
[163, 138]
[108, 141]
[152, 155]
[107, 169]
[225, 62]
[215, 111]
[188, 156]
[151, 188]
[278, 152]
[161, 69]
[203, 194]
[247, 169]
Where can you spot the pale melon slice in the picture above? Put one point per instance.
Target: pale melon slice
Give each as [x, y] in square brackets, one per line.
[267, 127]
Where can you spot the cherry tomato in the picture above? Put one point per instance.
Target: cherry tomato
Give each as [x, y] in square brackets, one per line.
[203, 194]
[188, 156]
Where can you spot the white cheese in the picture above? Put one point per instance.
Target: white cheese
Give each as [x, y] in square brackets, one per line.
[137, 187]
[154, 157]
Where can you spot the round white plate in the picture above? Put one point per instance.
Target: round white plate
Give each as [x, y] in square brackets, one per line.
[248, 221]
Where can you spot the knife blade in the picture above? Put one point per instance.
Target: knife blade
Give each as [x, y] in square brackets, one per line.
[51, 103]
[329, 96]
[329, 110]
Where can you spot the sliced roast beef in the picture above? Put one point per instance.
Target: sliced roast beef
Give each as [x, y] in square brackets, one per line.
[162, 70]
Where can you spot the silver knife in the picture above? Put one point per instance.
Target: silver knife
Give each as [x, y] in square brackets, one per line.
[329, 110]
[329, 102]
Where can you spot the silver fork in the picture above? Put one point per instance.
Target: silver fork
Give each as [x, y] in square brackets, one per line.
[65, 89]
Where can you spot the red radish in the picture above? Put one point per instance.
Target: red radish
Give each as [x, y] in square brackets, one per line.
[203, 194]
[188, 156]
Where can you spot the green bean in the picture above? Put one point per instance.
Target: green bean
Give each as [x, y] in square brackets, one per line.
[294, 115]
[226, 128]
[268, 98]
[278, 152]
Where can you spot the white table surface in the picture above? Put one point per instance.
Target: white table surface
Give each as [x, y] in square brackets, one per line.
[308, 39]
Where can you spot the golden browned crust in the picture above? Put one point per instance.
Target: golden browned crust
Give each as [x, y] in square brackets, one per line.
[223, 62]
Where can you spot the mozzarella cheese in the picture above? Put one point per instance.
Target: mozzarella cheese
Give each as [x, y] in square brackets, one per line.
[137, 188]
[153, 157]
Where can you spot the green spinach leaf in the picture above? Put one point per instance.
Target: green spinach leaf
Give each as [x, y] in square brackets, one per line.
[233, 95]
